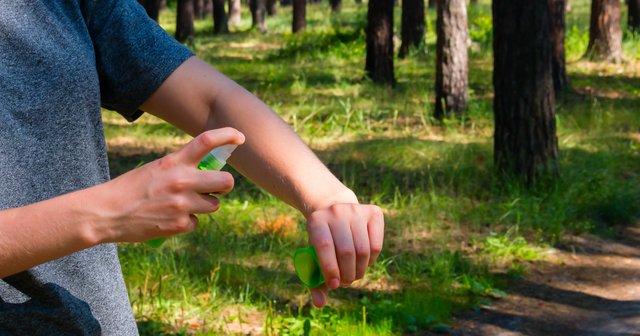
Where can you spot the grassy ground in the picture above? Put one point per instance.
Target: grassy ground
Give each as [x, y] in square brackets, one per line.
[454, 232]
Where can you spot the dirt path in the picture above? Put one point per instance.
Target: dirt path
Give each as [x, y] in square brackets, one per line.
[590, 286]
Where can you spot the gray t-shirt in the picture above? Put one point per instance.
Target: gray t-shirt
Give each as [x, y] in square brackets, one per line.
[60, 60]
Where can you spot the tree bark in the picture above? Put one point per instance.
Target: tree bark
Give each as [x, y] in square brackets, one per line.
[525, 141]
[258, 12]
[452, 69]
[379, 31]
[633, 21]
[198, 9]
[152, 7]
[557, 12]
[272, 7]
[605, 35]
[413, 25]
[336, 5]
[299, 15]
[184, 21]
[207, 8]
[235, 8]
[220, 23]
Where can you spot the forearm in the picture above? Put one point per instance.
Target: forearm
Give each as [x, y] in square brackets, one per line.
[273, 156]
[46, 230]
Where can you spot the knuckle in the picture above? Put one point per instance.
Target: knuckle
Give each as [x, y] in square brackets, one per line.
[167, 161]
[376, 249]
[322, 243]
[178, 183]
[183, 224]
[334, 208]
[346, 252]
[362, 252]
[207, 139]
[179, 204]
[376, 210]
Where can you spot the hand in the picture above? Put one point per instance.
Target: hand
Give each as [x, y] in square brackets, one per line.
[347, 238]
[160, 198]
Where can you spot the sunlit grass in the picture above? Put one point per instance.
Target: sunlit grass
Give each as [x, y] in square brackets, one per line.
[454, 231]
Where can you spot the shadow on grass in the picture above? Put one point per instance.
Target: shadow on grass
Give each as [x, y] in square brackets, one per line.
[576, 320]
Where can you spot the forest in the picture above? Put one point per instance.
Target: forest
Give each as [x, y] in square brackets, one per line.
[501, 138]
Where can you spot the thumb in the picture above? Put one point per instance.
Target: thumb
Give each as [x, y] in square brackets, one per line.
[319, 296]
[197, 148]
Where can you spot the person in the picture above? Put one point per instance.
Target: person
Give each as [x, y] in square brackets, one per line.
[60, 61]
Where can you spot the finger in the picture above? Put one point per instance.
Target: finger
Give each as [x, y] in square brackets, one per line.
[321, 239]
[319, 296]
[361, 244]
[193, 152]
[212, 182]
[375, 226]
[345, 250]
[202, 203]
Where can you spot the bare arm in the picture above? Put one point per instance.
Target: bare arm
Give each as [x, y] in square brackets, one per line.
[196, 98]
[347, 236]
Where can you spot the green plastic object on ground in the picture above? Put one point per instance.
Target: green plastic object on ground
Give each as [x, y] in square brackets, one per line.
[307, 266]
[214, 160]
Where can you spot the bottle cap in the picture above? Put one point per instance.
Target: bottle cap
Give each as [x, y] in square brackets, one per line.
[307, 266]
[222, 153]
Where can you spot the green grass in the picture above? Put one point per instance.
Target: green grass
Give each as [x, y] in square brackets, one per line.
[455, 233]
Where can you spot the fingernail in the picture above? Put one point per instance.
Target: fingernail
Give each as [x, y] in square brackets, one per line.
[318, 299]
[334, 283]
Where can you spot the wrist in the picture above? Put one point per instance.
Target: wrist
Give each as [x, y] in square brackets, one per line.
[98, 215]
[341, 195]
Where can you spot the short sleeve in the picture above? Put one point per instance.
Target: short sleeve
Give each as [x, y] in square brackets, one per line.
[134, 55]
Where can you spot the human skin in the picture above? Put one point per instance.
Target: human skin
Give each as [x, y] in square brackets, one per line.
[160, 198]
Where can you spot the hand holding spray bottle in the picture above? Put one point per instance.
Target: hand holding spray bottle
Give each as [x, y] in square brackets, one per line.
[214, 160]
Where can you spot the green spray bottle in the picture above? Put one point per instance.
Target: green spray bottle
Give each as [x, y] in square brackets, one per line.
[214, 160]
[307, 266]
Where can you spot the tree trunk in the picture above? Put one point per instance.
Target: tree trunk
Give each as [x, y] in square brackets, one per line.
[299, 15]
[433, 3]
[557, 12]
[184, 21]
[258, 13]
[452, 69]
[220, 25]
[634, 15]
[413, 25]
[152, 7]
[379, 62]
[605, 35]
[207, 8]
[272, 7]
[336, 5]
[525, 141]
[234, 12]
[284, 3]
[198, 6]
